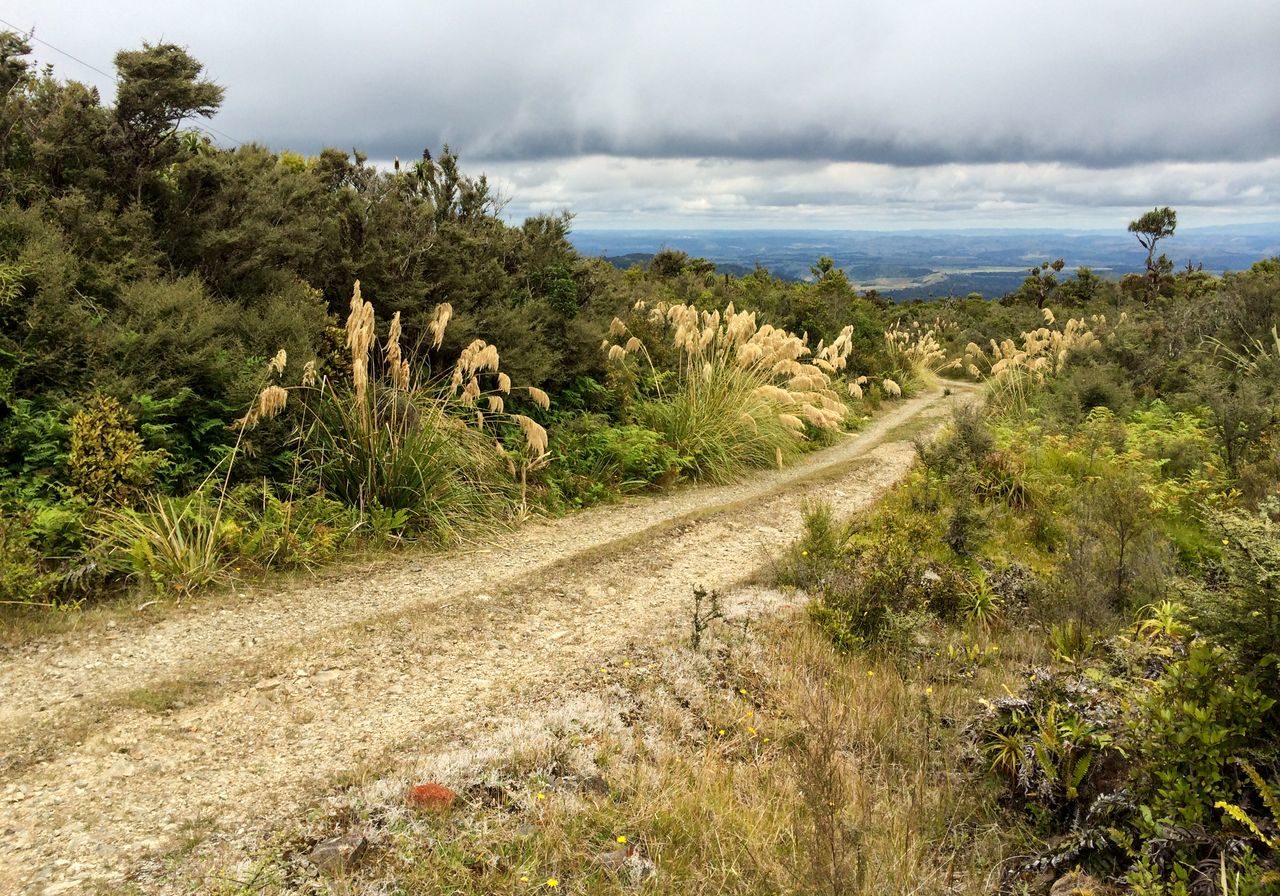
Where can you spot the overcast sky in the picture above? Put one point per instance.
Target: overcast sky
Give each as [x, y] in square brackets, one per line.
[802, 113]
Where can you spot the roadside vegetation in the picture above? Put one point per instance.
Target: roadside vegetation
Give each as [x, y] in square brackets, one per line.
[222, 362]
[1045, 661]
[1105, 531]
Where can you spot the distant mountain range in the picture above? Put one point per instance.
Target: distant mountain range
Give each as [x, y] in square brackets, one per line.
[935, 263]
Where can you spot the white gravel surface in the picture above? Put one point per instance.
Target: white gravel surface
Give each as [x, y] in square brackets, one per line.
[279, 693]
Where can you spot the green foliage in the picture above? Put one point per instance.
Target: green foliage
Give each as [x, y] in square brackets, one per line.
[718, 427]
[1189, 728]
[822, 545]
[158, 88]
[593, 461]
[299, 533]
[1243, 611]
[33, 445]
[171, 545]
[106, 460]
[1071, 641]
[880, 589]
[1045, 744]
[427, 452]
[403, 452]
[1150, 228]
[982, 606]
[23, 579]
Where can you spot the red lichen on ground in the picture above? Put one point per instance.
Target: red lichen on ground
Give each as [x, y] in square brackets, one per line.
[431, 797]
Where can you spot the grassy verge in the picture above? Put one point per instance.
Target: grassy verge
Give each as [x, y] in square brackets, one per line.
[764, 762]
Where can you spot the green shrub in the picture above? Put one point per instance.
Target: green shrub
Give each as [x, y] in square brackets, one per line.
[1188, 730]
[820, 548]
[106, 460]
[593, 460]
[172, 545]
[717, 426]
[412, 458]
[23, 578]
[881, 590]
[429, 450]
[275, 533]
[736, 395]
[1243, 611]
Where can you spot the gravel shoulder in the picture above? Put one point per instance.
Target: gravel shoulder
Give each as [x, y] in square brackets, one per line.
[118, 746]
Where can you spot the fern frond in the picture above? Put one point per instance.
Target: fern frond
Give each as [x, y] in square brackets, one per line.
[1077, 774]
[1269, 798]
[1243, 818]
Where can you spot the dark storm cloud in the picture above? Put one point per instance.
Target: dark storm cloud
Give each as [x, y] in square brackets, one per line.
[1087, 83]
[532, 90]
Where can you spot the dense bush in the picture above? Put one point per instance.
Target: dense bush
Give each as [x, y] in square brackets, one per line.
[594, 460]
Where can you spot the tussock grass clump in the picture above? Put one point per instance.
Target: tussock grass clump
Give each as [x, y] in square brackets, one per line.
[914, 352]
[743, 395]
[170, 544]
[436, 450]
[1013, 369]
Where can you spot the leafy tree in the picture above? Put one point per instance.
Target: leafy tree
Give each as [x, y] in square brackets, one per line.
[1084, 288]
[668, 263]
[159, 88]
[823, 267]
[14, 69]
[1152, 227]
[1041, 284]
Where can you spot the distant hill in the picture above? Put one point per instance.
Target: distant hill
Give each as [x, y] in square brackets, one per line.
[631, 259]
[934, 264]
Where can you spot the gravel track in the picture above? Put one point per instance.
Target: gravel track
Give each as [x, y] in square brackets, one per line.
[117, 745]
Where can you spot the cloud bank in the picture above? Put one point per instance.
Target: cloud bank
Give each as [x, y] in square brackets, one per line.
[809, 105]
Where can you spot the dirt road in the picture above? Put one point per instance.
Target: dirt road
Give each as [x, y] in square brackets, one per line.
[120, 746]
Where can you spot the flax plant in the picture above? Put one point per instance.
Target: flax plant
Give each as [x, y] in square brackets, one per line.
[181, 544]
[744, 395]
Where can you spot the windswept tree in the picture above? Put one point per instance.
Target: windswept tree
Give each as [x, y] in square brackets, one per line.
[160, 87]
[14, 68]
[1150, 229]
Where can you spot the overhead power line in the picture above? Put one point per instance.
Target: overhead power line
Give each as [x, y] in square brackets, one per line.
[30, 34]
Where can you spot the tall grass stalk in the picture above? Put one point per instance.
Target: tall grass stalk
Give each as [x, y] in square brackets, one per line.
[439, 451]
[1014, 370]
[914, 353]
[744, 395]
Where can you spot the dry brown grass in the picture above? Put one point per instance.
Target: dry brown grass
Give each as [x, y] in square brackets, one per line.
[766, 764]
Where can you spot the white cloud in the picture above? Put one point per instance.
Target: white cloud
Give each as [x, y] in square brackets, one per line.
[604, 190]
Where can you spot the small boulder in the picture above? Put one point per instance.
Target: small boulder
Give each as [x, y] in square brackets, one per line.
[339, 854]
